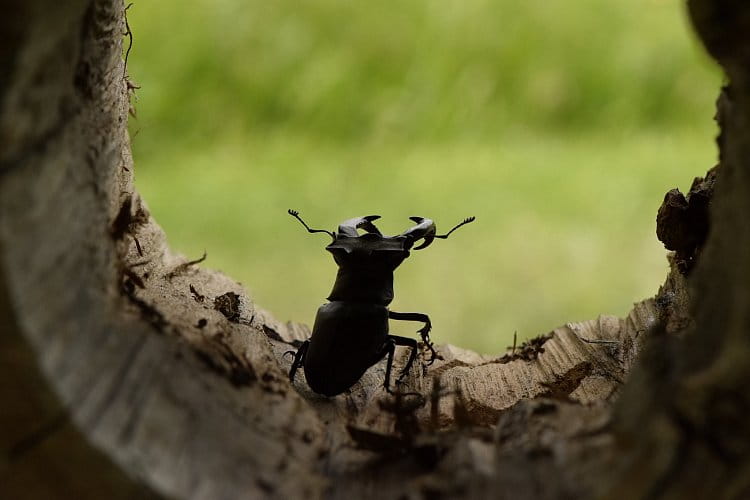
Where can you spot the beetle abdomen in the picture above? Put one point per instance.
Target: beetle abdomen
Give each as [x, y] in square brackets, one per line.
[347, 339]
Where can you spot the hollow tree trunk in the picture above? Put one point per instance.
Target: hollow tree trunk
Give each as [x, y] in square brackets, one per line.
[132, 371]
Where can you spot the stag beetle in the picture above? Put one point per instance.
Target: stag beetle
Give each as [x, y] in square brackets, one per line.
[351, 330]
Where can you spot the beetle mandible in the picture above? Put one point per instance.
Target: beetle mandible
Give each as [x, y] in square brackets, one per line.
[350, 333]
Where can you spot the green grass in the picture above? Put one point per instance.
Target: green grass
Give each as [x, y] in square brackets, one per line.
[560, 127]
[564, 230]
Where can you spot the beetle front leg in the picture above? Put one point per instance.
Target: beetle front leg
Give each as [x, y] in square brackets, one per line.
[299, 359]
[406, 342]
[390, 349]
[424, 332]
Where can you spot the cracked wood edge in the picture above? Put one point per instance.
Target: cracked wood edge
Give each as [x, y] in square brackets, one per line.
[146, 399]
[584, 362]
[571, 370]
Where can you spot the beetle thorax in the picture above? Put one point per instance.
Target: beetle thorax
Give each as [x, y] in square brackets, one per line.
[365, 275]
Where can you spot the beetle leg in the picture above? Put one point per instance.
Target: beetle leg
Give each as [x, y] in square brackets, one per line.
[406, 342]
[424, 332]
[390, 349]
[299, 359]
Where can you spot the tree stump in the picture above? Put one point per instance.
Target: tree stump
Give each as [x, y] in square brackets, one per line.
[131, 371]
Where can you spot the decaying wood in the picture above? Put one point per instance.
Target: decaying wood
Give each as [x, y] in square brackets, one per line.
[685, 414]
[682, 221]
[174, 374]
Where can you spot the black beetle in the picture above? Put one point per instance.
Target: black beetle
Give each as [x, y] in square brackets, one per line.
[351, 331]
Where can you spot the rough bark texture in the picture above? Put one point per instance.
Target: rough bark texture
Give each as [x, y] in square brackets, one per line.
[685, 414]
[175, 380]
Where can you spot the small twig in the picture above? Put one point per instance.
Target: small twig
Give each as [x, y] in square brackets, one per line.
[597, 341]
[197, 296]
[196, 261]
[435, 402]
[139, 263]
[138, 246]
[36, 437]
[128, 34]
[129, 273]
[515, 337]
[184, 266]
[591, 341]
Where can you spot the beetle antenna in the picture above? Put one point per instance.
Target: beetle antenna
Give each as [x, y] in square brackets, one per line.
[465, 221]
[295, 214]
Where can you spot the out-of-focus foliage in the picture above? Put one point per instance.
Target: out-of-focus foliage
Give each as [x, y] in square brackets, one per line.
[558, 124]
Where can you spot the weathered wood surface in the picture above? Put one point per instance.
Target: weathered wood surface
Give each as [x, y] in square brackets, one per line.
[241, 348]
[178, 377]
[685, 414]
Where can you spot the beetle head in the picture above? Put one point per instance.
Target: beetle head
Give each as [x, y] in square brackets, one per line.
[348, 239]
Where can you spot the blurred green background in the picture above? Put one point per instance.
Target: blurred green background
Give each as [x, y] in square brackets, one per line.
[559, 125]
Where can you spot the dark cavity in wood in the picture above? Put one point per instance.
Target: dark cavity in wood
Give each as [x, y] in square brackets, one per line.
[228, 305]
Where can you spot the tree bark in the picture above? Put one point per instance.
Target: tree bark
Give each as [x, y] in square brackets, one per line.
[133, 371]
